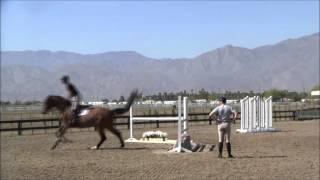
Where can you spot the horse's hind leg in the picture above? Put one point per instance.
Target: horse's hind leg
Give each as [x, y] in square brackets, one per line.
[102, 138]
[118, 134]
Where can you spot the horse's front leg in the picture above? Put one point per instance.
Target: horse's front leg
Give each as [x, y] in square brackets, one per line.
[56, 143]
[59, 131]
[60, 136]
[63, 138]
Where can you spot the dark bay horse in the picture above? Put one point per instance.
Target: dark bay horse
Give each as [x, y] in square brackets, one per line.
[98, 117]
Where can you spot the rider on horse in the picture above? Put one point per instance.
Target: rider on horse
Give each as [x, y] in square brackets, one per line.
[74, 96]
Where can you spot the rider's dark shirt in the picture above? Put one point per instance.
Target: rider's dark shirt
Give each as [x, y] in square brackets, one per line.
[72, 90]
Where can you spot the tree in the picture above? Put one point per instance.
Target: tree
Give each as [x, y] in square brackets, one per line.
[159, 97]
[203, 94]
[165, 96]
[5, 102]
[121, 99]
[105, 100]
[294, 96]
[277, 95]
[316, 87]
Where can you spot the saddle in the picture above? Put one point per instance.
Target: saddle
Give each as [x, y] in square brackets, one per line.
[84, 110]
[80, 111]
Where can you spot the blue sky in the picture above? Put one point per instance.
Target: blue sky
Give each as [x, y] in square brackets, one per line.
[157, 29]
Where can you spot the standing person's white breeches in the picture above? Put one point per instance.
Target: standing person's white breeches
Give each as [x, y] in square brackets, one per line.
[224, 131]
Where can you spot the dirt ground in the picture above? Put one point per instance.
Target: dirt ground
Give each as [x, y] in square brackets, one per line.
[292, 153]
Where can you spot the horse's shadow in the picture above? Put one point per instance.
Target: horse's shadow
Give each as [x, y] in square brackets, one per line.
[122, 148]
[108, 148]
[260, 157]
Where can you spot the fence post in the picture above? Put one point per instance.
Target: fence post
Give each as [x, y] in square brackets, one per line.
[128, 122]
[32, 129]
[157, 124]
[45, 126]
[275, 115]
[19, 127]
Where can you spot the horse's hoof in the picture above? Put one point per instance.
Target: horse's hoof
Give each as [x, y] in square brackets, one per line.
[122, 145]
[94, 147]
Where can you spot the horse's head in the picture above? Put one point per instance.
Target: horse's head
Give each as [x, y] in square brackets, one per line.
[57, 102]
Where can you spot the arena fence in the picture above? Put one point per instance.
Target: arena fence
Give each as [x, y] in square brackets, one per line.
[47, 124]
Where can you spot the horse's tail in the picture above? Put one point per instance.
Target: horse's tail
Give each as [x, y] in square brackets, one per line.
[133, 95]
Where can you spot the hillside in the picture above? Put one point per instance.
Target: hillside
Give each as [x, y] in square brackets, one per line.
[291, 64]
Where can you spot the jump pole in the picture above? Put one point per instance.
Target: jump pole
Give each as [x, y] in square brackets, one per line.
[256, 115]
[181, 119]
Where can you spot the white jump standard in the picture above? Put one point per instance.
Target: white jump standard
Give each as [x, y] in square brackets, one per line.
[256, 115]
[178, 118]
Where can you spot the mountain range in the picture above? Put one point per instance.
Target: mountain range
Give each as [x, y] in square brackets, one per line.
[292, 64]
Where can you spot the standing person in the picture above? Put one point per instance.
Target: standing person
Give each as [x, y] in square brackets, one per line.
[224, 120]
[73, 95]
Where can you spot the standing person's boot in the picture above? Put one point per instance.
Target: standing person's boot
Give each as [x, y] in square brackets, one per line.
[229, 150]
[220, 149]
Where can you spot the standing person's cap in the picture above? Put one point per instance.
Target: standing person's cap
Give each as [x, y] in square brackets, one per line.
[223, 99]
[65, 78]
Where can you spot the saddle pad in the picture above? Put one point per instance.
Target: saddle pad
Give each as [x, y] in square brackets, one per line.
[84, 112]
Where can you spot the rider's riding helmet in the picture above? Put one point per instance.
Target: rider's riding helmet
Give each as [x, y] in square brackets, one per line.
[65, 79]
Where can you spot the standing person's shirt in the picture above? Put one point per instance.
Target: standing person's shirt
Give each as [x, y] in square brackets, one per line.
[223, 111]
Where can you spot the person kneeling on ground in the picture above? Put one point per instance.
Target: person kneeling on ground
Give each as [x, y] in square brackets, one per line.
[188, 144]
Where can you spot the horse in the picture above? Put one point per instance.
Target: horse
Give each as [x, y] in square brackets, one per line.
[99, 117]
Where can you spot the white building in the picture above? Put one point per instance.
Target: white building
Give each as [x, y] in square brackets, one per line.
[232, 101]
[169, 102]
[200, 101]
[96, 103]
[148, 102]
[315, 93]
[112, 103]
[214, 102]
[122, 102]
[158, 102]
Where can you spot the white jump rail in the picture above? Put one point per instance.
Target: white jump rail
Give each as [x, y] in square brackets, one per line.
[178, 118]
[256, 115]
